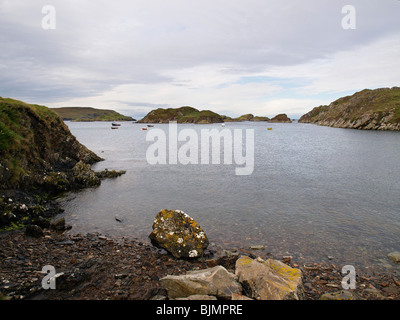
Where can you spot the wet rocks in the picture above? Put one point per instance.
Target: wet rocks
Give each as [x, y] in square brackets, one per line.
[179, 234]
[108, 174]
[394, 256]
[216, 281]
[34, 231]
[340, 295]
[269, 279]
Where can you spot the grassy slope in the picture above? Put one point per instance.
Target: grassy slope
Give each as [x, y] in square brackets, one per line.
[13, 132]
[90, 114]
[379, 101]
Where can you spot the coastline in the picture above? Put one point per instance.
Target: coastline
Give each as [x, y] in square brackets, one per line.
[96, 267]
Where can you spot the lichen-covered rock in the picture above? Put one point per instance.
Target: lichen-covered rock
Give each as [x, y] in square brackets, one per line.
[269, 279]
[179, 234]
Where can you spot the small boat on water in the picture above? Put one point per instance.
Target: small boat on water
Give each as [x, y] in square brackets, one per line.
[114, 127]
[114, 124]
[223, 125]
[144, 128]
[150, 125]
[269, 128]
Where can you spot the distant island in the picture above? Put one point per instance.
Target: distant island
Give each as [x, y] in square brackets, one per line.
[377, 109]
[192, 115]
[182, 115]
[90, 114]
[281, 118]
[246, 117]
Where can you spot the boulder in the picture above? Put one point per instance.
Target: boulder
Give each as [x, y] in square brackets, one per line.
[34, 231]
[269, 279]
[215, 281]
[179, 234]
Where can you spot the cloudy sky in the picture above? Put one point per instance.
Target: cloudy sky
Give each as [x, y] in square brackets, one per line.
[231, 56]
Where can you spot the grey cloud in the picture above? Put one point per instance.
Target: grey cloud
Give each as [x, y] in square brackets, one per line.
[99, 45]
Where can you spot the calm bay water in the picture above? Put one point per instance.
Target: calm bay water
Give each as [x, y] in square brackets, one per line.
[315, 191]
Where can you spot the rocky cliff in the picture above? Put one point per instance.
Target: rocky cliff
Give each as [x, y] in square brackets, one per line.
[377, 109]
[35, 146]
[39, 158]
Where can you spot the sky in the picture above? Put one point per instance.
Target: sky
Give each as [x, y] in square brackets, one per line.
[233, 57]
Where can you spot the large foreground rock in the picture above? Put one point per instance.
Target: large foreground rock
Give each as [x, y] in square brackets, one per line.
[269, 279]
[215, 281]
[179, 234]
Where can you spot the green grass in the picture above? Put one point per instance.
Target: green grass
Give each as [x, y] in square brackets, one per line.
[89, 114]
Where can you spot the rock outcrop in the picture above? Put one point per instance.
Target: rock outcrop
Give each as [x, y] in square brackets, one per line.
[179, 234]
[377, 109]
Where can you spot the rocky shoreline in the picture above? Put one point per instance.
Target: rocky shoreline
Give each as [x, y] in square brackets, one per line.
[96, 267]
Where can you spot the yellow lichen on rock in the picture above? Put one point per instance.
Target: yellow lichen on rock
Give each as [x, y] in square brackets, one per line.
[179, 234]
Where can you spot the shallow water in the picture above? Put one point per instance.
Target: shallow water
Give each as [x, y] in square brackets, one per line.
[314, 192]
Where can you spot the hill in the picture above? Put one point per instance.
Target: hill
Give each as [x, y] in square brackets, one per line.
[377, 109]
[89, 114]
[181, 115]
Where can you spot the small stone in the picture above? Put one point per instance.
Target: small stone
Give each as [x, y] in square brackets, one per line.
[58, 224]
[286, 259]
[394, 256]
[257, 247]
